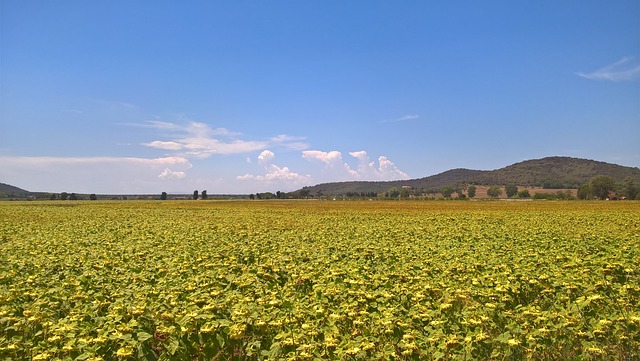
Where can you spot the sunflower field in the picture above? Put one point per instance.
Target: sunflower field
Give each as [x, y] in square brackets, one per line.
[317, 280]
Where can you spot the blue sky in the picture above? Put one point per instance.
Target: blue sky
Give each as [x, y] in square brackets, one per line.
[252, 96]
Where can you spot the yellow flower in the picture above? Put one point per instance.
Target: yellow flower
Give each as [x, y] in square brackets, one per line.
[445, 306]
[124, 352]
[54, 338]
[43, 356]
[236, 331]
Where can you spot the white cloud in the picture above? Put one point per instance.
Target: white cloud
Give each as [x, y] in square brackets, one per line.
[290, 142]
[402, 118]
[62, 161]
[333, 163]
[198, 140]
[164, 145]
[388, 170]
[156, 124]
[338, 170]
[169, 174]
[94, 174]
[623, 69]
[328, 158]
[265, 158]
[282, 176]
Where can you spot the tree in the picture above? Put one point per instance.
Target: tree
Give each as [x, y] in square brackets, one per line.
[64, 196]
[393, 192]
[511, 190]
[195, 195]
[629, 190]
[494, 191]
[251, 196]
[73, 197]
[204, 194]
[524, 194]
[93, 197]
[447, 191]
[601, 186]
[471, 191]
[53, 197]
[163, 196]
[584, 192]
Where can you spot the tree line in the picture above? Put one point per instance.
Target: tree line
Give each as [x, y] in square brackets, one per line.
[598, 187]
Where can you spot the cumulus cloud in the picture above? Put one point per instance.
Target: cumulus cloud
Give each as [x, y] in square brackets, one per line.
[169, 174]
[388, 170]
[367, 169]
[275, 174]
[333, 162]
[198, 140]
[328, 158]
[623, 69]
[265, 158]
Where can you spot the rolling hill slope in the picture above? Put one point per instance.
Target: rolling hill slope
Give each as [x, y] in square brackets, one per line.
[7, 190]
[550, 172]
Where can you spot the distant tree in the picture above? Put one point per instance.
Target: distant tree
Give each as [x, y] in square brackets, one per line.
[629, 190]
[584, 192]
[204, 194]
[494, 191]
[279, 195]
[566, 195]
[251, 196]
[64, 196]
[304, 192]
[53, 197]
[265, 195]
[195, 194]
[511, 190]
[393, 192]
[471, 191]
[163, 196]
[93, 197]
[524, 193]
[73, 197]
[447, 191]
[601, 186]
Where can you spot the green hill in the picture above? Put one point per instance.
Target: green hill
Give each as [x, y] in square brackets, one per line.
[9, 191]
[550, 172]
[556, 172]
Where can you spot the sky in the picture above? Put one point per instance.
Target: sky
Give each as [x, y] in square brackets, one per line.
[239, 97]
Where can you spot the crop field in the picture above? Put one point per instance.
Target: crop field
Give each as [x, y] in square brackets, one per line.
[303, 280]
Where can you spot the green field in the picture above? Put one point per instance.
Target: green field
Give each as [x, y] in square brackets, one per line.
[300, 280]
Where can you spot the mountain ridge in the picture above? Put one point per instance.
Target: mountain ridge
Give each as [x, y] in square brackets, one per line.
[556, 172]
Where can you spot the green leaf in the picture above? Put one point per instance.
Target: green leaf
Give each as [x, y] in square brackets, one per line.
[143, 336]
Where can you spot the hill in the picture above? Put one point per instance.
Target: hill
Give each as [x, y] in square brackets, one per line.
[555, 172]
[9, 191]
[550, 172]
[429, 184]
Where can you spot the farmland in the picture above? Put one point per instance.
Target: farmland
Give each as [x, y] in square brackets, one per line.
[302, 280]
